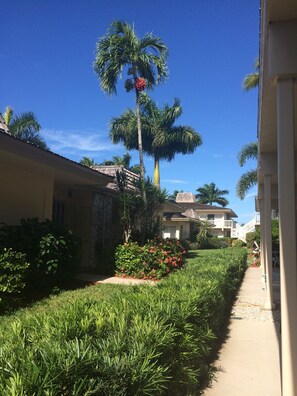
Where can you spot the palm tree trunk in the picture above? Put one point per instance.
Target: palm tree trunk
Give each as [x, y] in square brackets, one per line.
[157, 172]
[140, 149]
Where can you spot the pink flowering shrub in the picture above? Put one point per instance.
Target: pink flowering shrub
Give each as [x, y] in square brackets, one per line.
[154, 260]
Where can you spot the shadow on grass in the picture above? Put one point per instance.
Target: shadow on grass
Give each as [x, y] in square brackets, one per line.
[32, 296]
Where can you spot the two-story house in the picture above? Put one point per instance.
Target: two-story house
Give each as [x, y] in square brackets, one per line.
[221, 218]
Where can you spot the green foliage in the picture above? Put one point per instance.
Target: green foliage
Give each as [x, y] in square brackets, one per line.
[238, 243]
[204, 234]
[275, 234]
[13, 269]
[50, 249]
[113, 340]
[25, 127]
[140, 217]
[210, 194]
[162, 139]
[153, 260]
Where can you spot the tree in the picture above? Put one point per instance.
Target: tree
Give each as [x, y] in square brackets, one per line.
[25, 127]
[145, 61]
[86, 161]
[124, 161]
[249, 178]
[174, 194]
[161, 138]
[140, 217]
[118, 160]
[248, 151]
[252, 80]
[204, 234]
[209, 194]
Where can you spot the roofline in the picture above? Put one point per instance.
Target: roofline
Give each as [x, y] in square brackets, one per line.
[49, 158]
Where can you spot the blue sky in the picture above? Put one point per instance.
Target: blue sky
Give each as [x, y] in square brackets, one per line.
[46, 53]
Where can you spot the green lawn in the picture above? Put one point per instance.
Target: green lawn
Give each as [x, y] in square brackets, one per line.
[124, 340]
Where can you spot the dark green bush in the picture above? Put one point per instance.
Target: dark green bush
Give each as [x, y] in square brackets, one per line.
[13, 269]
[142, 341]
[51, 250]
[153, 260]
[227, 240]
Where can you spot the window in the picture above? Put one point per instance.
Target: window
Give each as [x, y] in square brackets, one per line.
[210, 217]
[58, 215]
[170, 232]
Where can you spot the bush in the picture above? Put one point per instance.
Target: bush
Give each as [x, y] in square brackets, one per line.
[217, 243]
[50, 249]
[13, 269]
[238, 243]
[227, 240]
[153, 260]
[141, 341]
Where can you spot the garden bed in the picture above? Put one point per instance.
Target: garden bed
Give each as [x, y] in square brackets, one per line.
[119, 340]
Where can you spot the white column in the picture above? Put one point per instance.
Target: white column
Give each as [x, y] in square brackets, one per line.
[262, 241]
[268, 242]
[287, 220]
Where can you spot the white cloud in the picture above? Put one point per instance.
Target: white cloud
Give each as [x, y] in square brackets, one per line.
[71, 142]
[175, 181]
[252, 194]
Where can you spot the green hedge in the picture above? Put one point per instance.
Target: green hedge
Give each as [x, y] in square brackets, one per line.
[142, 341]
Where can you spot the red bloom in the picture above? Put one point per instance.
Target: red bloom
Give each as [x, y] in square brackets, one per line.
[140, 84]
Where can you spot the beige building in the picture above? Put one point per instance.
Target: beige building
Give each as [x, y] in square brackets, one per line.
[277, 176]
[39, 183]
[221, 218]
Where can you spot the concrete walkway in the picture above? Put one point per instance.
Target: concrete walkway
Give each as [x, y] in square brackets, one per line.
[249, 364]
[96, 279]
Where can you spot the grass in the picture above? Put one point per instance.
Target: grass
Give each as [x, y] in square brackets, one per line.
[118, 340]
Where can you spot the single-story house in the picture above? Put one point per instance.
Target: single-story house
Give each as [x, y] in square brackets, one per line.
[39, 183]
[277, 174]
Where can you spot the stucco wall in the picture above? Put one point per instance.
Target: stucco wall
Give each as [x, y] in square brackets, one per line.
[24, 194]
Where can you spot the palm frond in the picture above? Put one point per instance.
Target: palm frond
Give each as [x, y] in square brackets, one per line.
[251, 81]
[209, 194]
[8, 115]
[248, 151]
[246, 181]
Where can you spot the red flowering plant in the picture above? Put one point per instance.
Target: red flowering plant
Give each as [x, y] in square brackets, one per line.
[154, 260]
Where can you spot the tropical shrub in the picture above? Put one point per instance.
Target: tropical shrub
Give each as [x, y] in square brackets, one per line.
[140, 341]
[13, 269]
[51, 250]
[153, 260]
[238, 243]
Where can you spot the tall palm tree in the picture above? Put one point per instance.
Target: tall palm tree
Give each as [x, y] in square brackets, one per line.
[249, 178]
[252, 80]
[161, 138]
[209, 194]
[25, 127]
[145, 61]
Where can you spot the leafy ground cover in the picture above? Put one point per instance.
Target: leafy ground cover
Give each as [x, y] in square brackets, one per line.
[116, 340]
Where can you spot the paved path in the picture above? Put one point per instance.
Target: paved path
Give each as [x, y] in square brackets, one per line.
[95, 279]
[249, 360]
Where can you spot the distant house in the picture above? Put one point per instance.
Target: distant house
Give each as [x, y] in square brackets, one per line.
[39, 183]
[176, 224]
[221, 218]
